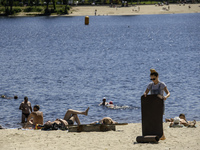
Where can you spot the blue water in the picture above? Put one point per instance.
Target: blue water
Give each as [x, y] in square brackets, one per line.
[60, 64]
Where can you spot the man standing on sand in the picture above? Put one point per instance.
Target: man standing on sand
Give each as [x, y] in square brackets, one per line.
[25, 106]
[36, 117]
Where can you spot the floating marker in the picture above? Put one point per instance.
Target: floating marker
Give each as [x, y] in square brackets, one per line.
[86, 20]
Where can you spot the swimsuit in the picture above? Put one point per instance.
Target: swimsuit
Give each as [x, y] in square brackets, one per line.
[26, 115]
[70, 122]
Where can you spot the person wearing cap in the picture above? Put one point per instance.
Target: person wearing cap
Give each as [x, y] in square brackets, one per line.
[26, 108]
[110, 105]
[157, 87]
[104, 103]
[36, 117]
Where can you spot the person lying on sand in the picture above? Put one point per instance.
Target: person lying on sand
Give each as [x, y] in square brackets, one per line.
[36, 117]
[71, 116]
[105, 120]
[181, 121]
[55, 125]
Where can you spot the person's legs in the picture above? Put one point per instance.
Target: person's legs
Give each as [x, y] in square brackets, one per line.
[163, 137]
[29, 124]
[77, 119]
[23, 118]
[71, 112]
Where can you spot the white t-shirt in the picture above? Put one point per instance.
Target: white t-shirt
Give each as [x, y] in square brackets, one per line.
[157, 88]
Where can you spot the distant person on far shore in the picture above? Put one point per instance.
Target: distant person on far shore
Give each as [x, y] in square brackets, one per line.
[26, 108]
[36, 117]
[104, 103]
[95, 13]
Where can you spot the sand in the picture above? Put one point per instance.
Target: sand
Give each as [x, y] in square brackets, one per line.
[133, 10]
[123, 138]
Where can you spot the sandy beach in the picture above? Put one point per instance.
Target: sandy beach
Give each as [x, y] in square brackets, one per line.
[123, 138]
[134, 10]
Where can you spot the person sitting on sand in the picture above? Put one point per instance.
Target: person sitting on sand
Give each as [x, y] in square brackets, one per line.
[104, 103]
[105, 120]
[36, 117]
[26, 108]
[72, 115]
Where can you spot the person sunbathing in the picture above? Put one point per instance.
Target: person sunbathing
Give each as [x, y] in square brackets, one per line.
[105, 120]
[36, 117]
[55, 125]
[180, 122]
[70, 117]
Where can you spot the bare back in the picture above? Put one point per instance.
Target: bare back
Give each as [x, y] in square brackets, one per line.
[37, 117]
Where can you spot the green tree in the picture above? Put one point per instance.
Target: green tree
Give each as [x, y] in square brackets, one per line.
[47, 4]
[54, 4]
[7, 4]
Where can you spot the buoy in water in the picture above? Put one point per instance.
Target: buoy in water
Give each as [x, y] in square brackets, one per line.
[86, 20]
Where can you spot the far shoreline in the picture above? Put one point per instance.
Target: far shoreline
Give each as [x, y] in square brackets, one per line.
[119, 11]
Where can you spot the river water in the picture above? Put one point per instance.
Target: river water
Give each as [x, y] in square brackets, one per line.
[60, 64]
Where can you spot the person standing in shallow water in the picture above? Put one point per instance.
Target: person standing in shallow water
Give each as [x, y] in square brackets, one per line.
[26, 108]
[157, 87]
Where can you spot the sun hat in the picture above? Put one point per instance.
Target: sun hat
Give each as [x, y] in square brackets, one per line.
[176, 120]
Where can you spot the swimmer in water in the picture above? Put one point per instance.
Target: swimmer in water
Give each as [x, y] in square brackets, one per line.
[104, 103]
[5, 97]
